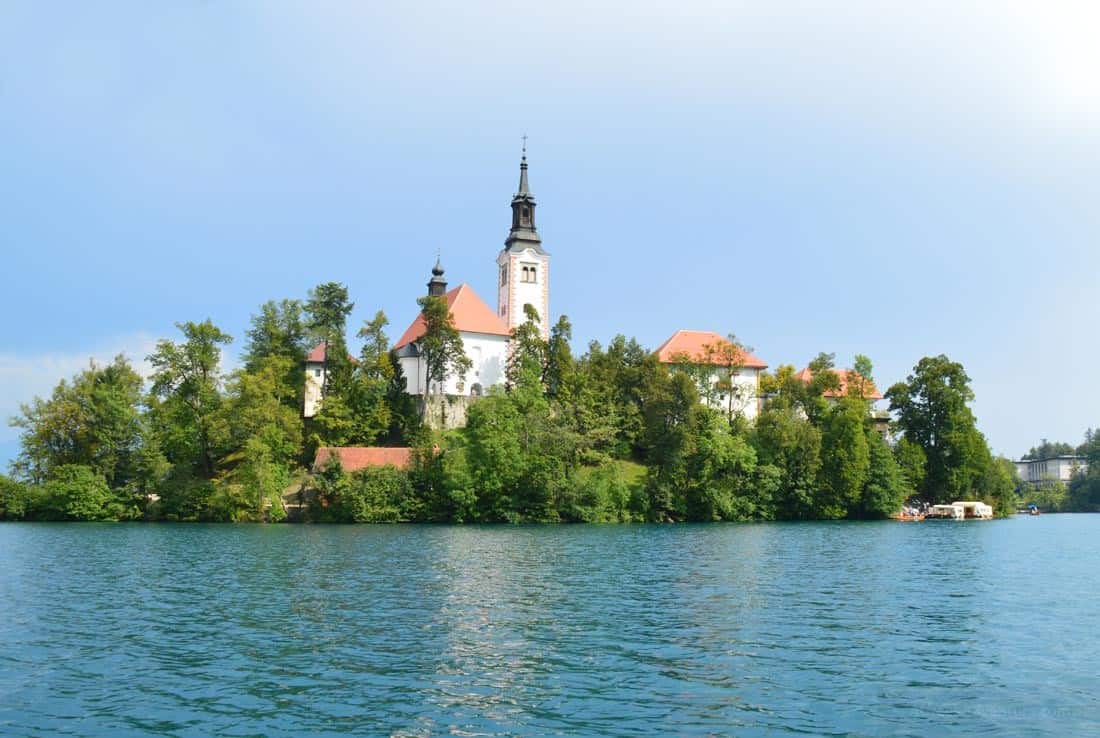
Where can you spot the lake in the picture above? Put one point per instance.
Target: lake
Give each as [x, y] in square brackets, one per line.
[870, 629]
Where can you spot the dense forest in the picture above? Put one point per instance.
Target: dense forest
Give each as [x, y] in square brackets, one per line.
[611, 435]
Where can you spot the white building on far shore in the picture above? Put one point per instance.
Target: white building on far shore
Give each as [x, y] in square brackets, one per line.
[1058, 469]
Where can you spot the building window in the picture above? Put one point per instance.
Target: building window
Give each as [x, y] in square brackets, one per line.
[503, 275]
[316, 372]
[526, 214]
[529, 274]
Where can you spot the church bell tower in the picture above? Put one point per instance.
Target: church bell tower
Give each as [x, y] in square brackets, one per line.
[523, 266]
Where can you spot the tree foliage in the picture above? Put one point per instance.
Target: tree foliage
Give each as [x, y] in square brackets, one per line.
[933, 413]
[612, 435]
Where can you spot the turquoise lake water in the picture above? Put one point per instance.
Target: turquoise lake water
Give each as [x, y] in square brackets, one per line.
[875, 629]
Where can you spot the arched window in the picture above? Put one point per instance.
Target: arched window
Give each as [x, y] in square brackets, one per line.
[533, 277]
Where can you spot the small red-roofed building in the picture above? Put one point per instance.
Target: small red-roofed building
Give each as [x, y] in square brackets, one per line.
[316, 368]
[733, 385]
[357, 458]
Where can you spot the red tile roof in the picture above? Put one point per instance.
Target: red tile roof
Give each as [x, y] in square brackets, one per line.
[317, 355]
[694, 343]
[354, 458]
[470, 313]
[843, 375]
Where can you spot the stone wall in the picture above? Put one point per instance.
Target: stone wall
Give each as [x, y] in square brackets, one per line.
[446, 411]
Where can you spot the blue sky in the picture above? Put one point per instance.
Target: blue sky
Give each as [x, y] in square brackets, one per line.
[811, 176]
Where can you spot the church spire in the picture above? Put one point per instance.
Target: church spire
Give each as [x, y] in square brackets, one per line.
[523, 171]
[437, 285]
[523, 234]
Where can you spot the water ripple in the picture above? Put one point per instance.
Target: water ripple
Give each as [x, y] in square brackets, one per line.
[810, 629]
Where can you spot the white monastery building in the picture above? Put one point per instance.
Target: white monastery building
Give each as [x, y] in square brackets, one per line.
[846, 377]
[736, 388]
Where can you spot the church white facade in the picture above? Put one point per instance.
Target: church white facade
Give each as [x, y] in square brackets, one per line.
[484, 340]
[523, 278]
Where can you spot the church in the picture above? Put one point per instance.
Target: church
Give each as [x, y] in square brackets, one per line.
[523, 278]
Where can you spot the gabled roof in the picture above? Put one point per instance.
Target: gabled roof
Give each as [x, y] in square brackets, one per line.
[694, 343]
[843, 375]
[317, 355]
[470, 313]
[355, 458]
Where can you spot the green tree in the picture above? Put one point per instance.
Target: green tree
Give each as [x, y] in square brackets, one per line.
[791, 445]
[616, 384]
[860, 379]
[494, 455]
[94, 421]
[441, 345]
[186, 396]
[559, 376]
[1084, 488]
[528, 352]
[265, 440]
[13, 499]
[279, 331]
[1047, 450]
[911, 462]
[672, 413]
[721, 481]
[79, 492]
[845, 459]
[327, 311]
[885, 490]
[997, 485]
[933, 413]
[376, 495]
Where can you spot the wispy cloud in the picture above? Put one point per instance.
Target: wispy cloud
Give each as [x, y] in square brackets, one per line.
[25, 376]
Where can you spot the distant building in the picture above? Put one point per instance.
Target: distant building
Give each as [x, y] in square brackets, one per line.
[736, 387]
[1059, 469]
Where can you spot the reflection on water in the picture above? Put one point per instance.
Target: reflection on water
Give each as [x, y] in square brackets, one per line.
[861, 629]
